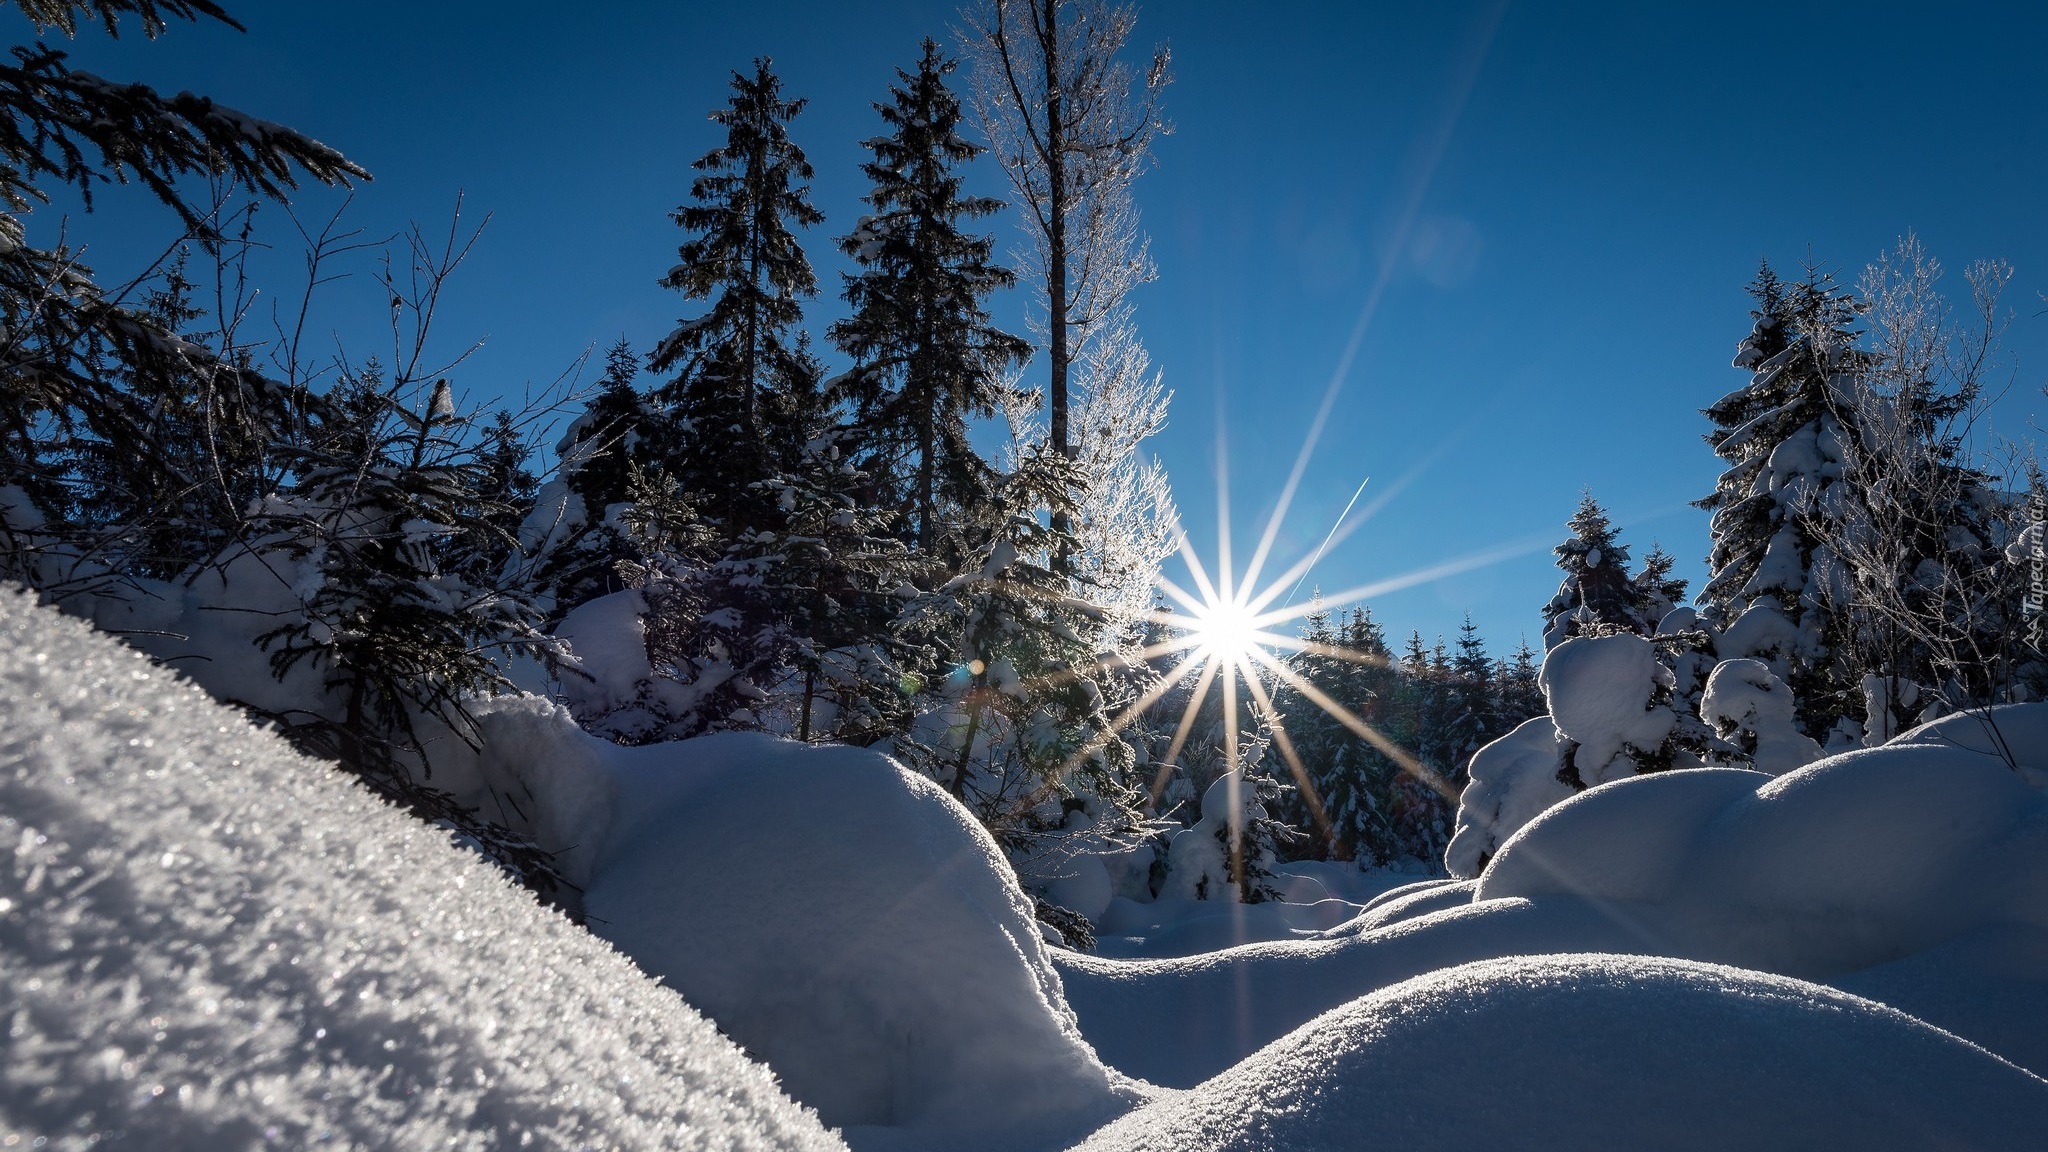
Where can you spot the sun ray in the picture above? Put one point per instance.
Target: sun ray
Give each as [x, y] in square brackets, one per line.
[1401, 757]
[1233, 787]
[1130, 715]
[1180, 734]
[1197, 569]
[1223, 564]
[1285, 744]
[1467, 563]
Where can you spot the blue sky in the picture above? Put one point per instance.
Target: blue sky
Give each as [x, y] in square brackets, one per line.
[1552, 208]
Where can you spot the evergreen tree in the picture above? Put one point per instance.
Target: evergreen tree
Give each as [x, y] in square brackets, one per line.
[1597, 590]
[746, 395]
[75, 361]
[1022, 733]
[831, 577]
[1775, 509]
[1658, 592]
[576, 533]
[1521, 696]
[370, 544]
[1472, 702]
[928, 357]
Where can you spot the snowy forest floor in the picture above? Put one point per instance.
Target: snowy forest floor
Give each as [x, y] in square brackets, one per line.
[209, 941]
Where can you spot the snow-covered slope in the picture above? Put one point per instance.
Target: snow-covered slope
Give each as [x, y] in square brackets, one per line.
[852, 925]
[1575, 1052]
[208, 942]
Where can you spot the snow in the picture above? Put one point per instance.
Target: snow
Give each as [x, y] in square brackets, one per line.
[1598, 690]
[1876, 869]
[1572, 1052]
[208, 941]
[848, 922]
[1762, 630]
[1748, 704]
[604, 657]
[1198, 859]
[1854, 953]
[1513, 780]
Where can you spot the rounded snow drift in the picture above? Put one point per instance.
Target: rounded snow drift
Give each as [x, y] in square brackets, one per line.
[1593, 1051]
[850, 924]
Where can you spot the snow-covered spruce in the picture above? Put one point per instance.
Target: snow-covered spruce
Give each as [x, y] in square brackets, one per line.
[209, 941]
[1610, 717]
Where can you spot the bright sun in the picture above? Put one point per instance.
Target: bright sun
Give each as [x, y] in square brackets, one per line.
[1225, 631]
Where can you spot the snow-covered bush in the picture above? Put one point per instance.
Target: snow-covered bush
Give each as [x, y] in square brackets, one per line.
[1612, 715]
[1230, 853]
[1750, 707]
[1512, 781]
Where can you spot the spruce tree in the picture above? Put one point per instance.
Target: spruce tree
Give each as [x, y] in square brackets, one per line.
[1658, 592]
[76, 358]
[1521, 696]
[928, 357]
[1598, 590]
[1775, 514]
[386, 618]
[746, 389]
[577, 532]
[1022, 732]
[1473, 702]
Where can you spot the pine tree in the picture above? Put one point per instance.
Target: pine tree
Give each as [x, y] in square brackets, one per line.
[928, 357]
[1521, 696]
[833, 580]
[76, 358]
[1022, 733]
[1658, 592]
[1472, 702]
[746, 394]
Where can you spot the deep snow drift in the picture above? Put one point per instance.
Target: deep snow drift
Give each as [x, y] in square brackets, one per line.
[1574, 1052]
[210, 939]
[1913, 872]
[209, 942]
[853, 926]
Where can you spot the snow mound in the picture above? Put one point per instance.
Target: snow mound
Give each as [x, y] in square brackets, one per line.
[2015, 731]
[208, 941]
[1858, 860]
[1746, 702]
[1598, 691]
[852, 925]
[1591, 1051]
[1917, 873]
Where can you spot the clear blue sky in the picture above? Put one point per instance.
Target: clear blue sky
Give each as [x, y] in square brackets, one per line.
[1566, 199]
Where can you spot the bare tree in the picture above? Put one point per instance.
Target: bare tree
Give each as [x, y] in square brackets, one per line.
[1932, 613]
[1072, 125]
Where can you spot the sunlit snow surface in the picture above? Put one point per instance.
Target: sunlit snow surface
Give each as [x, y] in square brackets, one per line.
[208, 942]
[1577, 1052]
